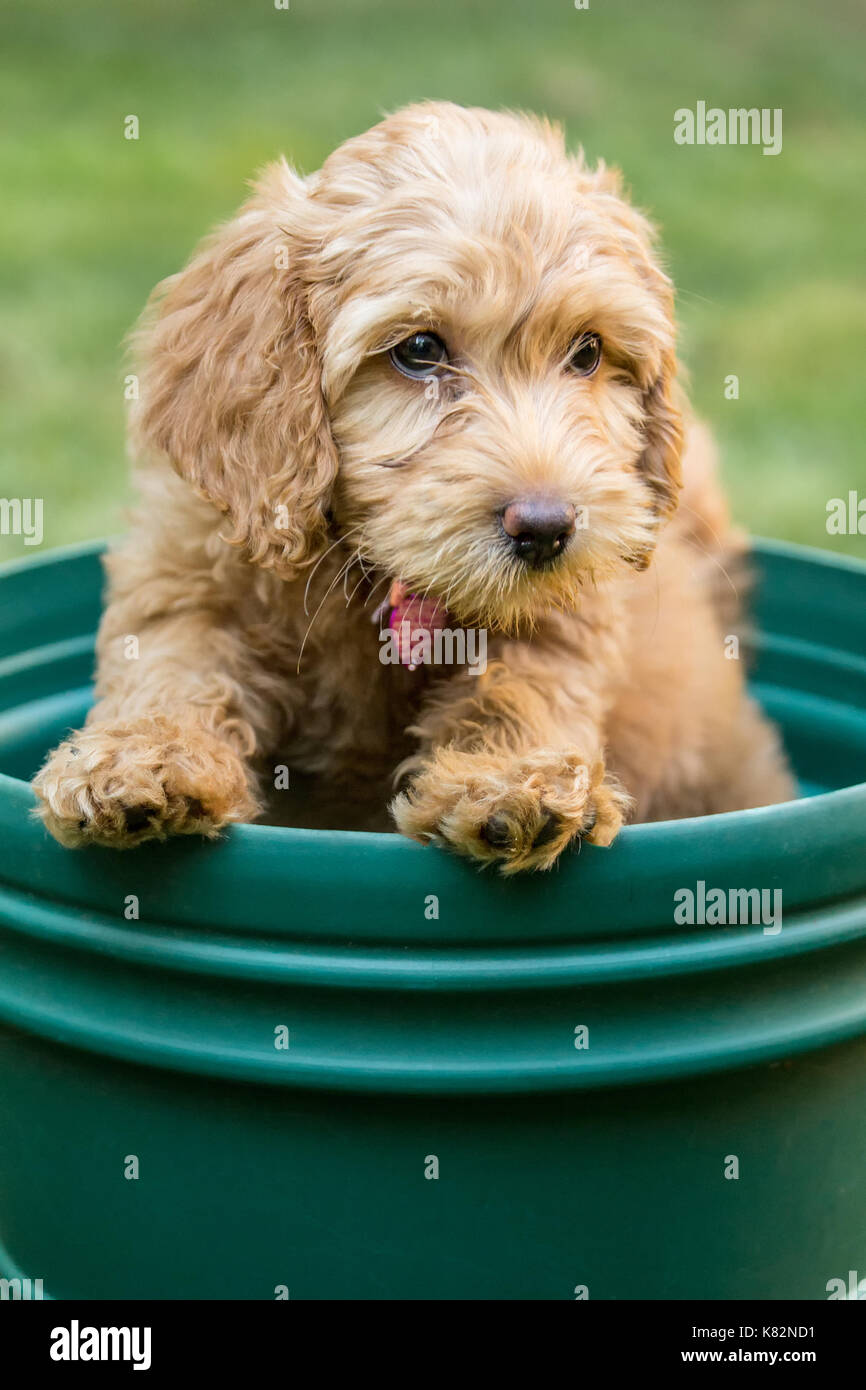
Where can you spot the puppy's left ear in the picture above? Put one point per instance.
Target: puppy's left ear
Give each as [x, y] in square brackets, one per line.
[660, 461]
[662, 406]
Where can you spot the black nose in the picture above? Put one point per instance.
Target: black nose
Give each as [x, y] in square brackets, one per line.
[539, 528]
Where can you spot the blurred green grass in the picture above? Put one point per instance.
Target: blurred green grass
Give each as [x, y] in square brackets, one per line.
[766, 252]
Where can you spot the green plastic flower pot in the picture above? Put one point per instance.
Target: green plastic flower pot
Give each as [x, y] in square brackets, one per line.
[341, 1065]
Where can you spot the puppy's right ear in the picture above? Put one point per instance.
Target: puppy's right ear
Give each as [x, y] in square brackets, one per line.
[231, 385]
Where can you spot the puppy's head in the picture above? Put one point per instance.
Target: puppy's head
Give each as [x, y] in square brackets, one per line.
[452, 345]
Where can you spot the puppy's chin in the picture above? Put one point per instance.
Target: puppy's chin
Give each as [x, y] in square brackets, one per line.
[508, 598]
[518, 606]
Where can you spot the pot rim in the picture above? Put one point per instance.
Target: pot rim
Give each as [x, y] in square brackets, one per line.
[191, 883]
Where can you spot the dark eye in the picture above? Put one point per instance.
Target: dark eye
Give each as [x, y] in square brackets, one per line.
[419, 355]
[585, 354]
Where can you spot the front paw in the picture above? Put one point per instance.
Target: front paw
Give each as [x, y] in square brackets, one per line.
[518, 812]
[121, 782]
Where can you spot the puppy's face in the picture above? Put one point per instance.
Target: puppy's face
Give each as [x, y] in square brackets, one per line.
[492, 335]
[495, 356]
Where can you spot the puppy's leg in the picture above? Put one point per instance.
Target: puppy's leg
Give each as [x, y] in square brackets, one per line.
[511, 768]
[167, 748]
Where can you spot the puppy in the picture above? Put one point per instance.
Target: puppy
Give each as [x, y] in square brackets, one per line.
[441, 367]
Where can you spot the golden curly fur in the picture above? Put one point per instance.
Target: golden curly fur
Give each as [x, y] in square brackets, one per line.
[288, 472]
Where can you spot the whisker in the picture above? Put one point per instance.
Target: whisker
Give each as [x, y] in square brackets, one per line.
[693, 540]
[383, 580]
[337, 542]
[346, 572]
[365, 572]
[364, 576]
[337, 577]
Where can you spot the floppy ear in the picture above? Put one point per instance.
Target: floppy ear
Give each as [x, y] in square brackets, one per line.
[659, 462]
[231, 386]
[663, 430]
[663, 424]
